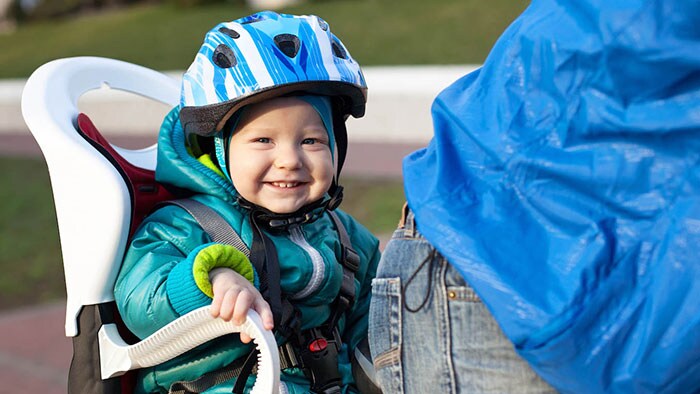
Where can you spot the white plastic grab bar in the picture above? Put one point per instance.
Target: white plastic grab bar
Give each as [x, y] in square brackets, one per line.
[183, 334]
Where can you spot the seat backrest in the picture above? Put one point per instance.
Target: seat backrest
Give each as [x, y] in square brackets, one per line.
[101, 193]
[93, 201]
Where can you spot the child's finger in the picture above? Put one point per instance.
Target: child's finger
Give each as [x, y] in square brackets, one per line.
[263, 308]
[243, 303]
[245, 338]
[228, 304]
[215, 306]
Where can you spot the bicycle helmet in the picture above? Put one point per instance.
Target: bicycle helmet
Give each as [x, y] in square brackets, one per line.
[267, 55]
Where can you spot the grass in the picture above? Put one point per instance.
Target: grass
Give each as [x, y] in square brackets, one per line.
[376, 203]
[29, 250]
[30, 256]
[164, 37]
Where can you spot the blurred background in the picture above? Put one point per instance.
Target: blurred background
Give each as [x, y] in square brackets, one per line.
[409, 51]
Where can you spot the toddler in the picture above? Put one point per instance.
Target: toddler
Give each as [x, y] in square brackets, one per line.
[259, 138]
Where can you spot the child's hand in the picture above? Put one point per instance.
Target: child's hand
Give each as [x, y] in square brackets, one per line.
[233, 296]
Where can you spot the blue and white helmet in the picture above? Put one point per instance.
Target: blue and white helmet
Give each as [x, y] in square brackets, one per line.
[262, 56]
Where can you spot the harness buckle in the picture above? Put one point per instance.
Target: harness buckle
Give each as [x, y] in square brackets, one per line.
[347, 291]
[319, 359]
[351, 260]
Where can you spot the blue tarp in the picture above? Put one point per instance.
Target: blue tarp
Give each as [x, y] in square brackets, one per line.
[563, 181]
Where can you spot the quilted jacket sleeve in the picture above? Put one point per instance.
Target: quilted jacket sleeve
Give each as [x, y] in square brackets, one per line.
[165, 272]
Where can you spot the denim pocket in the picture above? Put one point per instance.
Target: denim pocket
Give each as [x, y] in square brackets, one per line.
[385, 333]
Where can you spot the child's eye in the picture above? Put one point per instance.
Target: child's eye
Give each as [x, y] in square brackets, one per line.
[309, 141]
[263, 140]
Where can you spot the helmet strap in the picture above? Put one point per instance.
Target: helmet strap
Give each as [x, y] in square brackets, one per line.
[336, 193]
[341, 136]
[282, 221]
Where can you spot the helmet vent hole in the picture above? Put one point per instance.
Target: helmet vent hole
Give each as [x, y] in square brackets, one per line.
[224, 57]
[323, 24]
[229, 32]
[288, 43]
[338, 50]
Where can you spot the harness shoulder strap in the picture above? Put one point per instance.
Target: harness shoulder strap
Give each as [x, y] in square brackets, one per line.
[350, 261]
[218, 229]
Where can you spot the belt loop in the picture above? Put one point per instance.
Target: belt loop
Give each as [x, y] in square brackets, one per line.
[404, 212]
[409, 223]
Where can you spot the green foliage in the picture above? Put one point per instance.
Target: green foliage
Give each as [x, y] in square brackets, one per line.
[15, 12]
[48, 9]
[166, 37]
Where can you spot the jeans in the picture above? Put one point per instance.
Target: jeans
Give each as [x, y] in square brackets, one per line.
[430, 333]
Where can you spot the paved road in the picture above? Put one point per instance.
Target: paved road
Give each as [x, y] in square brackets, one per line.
[34, 353]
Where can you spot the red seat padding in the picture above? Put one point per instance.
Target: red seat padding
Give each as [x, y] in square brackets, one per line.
[145, 191]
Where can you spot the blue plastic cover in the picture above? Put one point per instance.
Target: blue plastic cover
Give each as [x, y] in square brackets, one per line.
[563, 181]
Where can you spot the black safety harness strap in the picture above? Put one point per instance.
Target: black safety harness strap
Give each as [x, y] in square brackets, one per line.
[210, 379]
[351, 263]
[263, 256]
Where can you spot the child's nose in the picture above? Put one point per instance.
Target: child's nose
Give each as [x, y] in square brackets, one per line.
[288, 157]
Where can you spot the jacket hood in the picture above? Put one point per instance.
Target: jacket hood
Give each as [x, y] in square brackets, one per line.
[178, 163]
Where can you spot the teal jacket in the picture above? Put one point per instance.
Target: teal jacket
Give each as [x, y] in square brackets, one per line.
[156, 284]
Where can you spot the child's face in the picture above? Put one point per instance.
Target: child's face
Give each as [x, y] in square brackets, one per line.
[279, 155]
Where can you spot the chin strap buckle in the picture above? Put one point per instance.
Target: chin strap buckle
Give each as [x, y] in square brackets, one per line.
[336, 198]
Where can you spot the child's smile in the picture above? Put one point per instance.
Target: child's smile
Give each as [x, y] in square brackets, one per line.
[279, 155]
[285, 185]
